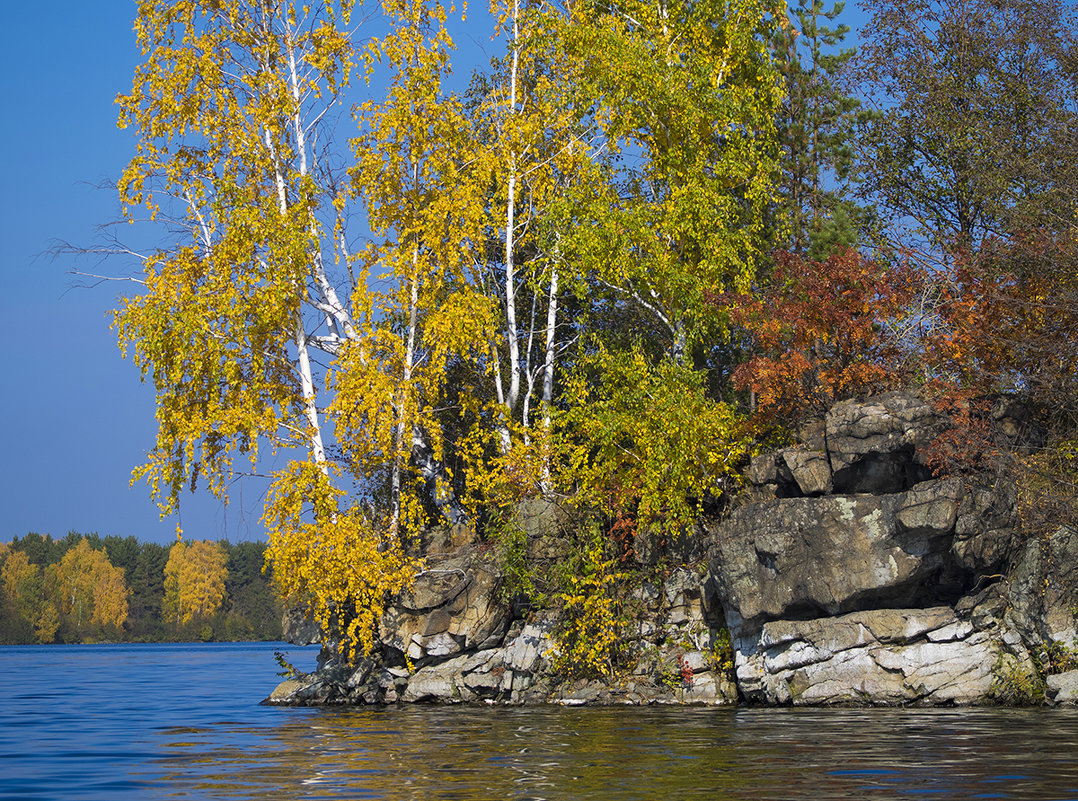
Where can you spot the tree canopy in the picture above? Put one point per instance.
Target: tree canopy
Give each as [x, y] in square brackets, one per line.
[561, 282]
[86, 588]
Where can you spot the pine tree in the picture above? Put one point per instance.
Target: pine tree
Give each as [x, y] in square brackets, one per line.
[816, 128]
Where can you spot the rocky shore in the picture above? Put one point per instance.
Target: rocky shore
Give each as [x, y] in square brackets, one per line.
[845, 574]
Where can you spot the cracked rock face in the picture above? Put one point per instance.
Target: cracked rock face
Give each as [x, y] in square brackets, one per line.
[489, 673]
[877, 445]
[453, 608]
[847, 576]
[299, 629]
[879, 657]
[839, 575]
[1043, 592]
[452, 639]
[811, 557]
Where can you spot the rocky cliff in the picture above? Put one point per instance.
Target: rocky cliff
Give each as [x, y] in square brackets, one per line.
[846, 573]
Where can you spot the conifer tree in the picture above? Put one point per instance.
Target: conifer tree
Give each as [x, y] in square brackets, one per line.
[817, 215]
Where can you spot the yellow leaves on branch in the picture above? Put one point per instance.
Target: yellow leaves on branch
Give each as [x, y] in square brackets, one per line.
[22, 594]
[696, 93]
[587, 643]
[341, 564]
[194, 581]
[83, 593]
[220, 105]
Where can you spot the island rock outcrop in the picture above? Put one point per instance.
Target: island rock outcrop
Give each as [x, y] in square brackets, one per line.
[845, 573]
[455, 638]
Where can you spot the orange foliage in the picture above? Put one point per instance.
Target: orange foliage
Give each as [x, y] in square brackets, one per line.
[1007, 320]
[823, 331]
[966, 446]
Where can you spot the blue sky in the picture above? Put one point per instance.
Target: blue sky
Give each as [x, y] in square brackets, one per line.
[76, 417]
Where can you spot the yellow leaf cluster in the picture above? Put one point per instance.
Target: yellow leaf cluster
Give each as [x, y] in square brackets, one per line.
[220, 155]
[593, 628]
[89, 590]
[644, 437]
[23, 594]
[692, 91]
[337, 561]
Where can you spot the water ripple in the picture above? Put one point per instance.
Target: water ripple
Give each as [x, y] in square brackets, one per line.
[169, 722]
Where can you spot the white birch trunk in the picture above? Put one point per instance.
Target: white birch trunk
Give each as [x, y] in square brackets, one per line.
[402, 426]
[549, 356]
[548, 373]
[337, 317]
[512, 333]
[316, 447]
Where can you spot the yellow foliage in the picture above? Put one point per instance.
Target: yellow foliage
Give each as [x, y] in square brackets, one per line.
[416, 170]
[689, 89]
[500, 475]
[647, 436]
[220, 105]
[22, 592]
[89, 590]
[20, 582]
[342, 565]
[587, 643]
[46, 623]
[194, 581]
[224, 107]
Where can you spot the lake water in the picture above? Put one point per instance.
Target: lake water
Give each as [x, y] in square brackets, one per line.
[117, 722]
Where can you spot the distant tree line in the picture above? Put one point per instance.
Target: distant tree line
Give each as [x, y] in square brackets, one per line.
[87, 588]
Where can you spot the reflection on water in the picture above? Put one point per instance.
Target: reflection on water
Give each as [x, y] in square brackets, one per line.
[554, 753]
[112, 723]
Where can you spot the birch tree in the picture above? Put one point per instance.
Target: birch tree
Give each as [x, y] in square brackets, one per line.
[230, 107]
[194, 581]
[87, 589]
[686, 96]
[615, 153]
[539, 144]
[227, 107]
[415, 168]
[23, 598]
